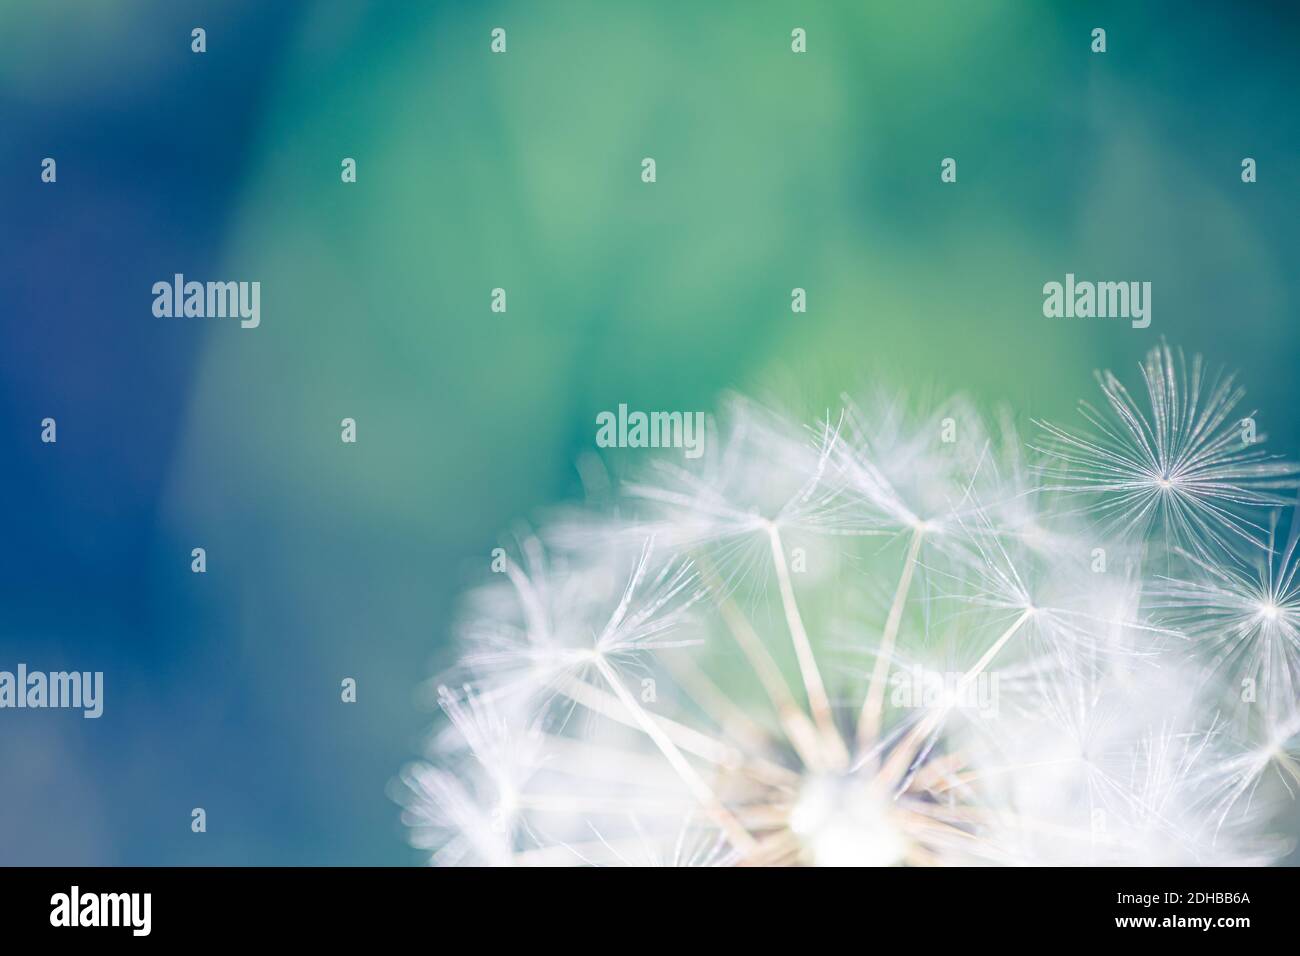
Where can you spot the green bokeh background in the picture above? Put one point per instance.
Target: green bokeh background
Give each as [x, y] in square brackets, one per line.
[775, 170]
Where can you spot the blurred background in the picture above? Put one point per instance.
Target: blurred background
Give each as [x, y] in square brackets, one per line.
[522, 171]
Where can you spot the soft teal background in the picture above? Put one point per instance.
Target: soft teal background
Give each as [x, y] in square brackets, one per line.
[775, 170]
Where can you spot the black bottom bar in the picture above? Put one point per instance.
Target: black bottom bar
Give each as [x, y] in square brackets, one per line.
[930, 906]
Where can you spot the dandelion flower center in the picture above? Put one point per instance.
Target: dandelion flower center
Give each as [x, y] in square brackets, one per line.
[840, 822]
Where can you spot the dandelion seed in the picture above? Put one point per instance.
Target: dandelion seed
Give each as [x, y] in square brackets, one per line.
[1243, 617]
[1183, 467]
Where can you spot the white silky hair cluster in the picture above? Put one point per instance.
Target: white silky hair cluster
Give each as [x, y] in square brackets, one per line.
[890, 638]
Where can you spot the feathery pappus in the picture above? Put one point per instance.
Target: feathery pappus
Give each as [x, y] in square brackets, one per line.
[892, 637]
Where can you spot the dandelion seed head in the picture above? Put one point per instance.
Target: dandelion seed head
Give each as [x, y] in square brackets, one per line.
[854, 641]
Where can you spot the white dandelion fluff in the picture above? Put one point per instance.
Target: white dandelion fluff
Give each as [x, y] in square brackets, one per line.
[1243, 617]
[1185, 464]
[677, 678]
